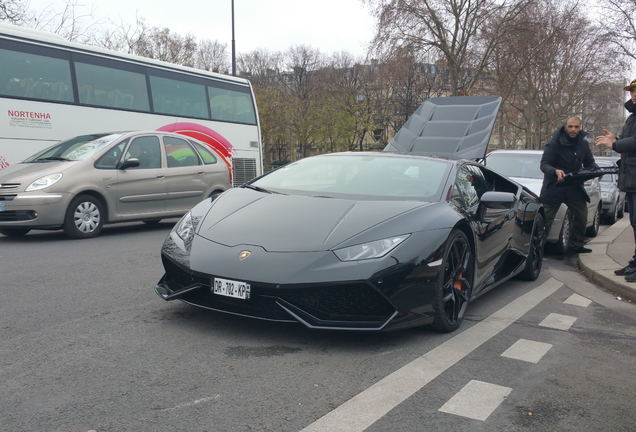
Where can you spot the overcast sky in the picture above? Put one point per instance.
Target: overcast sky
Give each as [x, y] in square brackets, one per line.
[276, 25]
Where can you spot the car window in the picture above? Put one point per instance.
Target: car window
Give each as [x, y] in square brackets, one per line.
[147, 150]
[205, 153]
[179, 153]
[464, 194]
[110, 159]
[524, 165]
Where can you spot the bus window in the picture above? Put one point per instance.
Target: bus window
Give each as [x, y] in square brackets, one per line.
[231, 105]
[35, 76]
[180, 98]
[110, 87]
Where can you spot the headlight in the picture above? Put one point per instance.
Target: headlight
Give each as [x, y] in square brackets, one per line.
[605, 195]
[185, 228]
[374, 249]
[44, 182]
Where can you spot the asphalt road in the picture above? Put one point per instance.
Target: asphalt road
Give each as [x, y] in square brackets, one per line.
[86, 345]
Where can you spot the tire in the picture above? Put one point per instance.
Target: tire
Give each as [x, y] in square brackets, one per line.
[592, 231]
[15, 232]
[84, 217]
[151, 221]
[621, 211]
[534, 261]
[455, 283]
[563, 243]
[611, 218]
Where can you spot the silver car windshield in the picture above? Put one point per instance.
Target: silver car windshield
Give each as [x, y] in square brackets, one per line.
[78, 148]
[524, 165]
[352, 176]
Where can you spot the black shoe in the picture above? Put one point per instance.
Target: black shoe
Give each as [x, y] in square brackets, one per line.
[631, 277]
[580, 250]
[628, 269]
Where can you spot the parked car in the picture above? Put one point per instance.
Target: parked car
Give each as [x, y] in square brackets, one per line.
[613, 199]
[523, 166]
[81, 183]
[364, 240]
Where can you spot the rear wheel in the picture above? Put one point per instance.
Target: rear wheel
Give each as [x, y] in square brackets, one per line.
[563, 243]
[534, 261]
[455, 283]
[84, 217]
[15, 232]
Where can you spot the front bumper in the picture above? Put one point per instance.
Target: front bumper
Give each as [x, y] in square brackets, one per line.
[314, 289]
[32, 209]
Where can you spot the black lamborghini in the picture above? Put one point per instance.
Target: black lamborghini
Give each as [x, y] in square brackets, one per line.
[364, 241]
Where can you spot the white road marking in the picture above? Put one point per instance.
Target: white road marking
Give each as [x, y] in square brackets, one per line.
[193, 403]
[527, 350]
[477, 400]
[558, 321]
[578, 300]
[364, 409]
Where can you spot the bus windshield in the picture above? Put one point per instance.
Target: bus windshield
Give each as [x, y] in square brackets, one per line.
[78, 148]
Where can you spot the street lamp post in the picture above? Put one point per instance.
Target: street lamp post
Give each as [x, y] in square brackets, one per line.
[233, 44]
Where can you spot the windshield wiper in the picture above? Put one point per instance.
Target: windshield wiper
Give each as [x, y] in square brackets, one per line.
[256, 188]
[53, 158]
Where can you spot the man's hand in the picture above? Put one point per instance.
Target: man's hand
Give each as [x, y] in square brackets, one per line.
[607, 139]
[560, 175]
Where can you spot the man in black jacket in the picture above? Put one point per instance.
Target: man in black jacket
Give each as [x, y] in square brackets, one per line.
[625, 144]
[567, 152]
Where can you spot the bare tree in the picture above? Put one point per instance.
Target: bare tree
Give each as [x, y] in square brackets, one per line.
[619, 18]
[13, 11]
[73, 22]
[162, 44]
[212, 56]
[551, 57]
[451, 29]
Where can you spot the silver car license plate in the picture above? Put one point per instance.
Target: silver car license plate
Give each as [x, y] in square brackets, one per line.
[231, 288]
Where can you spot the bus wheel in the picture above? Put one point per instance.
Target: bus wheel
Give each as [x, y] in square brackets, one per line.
[84, 217]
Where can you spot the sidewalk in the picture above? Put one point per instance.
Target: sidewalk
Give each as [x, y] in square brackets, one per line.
[611, 250]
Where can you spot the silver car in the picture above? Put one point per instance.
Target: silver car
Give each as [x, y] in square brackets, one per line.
[613, 199]
[523, 166]
[82, 183]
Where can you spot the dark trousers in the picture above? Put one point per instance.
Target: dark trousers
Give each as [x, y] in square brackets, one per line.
[578, 217]
[630, 198]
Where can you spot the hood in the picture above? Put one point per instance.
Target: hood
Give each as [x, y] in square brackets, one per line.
[28, 172]
[293, 223]
[457, 127]
[531, 183]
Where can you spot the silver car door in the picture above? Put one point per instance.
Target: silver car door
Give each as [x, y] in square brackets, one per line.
[186, 179]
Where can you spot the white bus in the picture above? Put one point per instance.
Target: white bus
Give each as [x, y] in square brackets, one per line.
[52, 89]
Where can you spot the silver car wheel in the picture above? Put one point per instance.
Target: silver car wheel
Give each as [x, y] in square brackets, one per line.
[86, 217]
[565, 234]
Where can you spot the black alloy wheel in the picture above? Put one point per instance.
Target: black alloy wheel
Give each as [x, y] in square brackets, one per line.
[84, 217]
[455, 285]
[534, 261]
[14, 232]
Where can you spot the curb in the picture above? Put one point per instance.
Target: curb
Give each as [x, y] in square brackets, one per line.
[599, 267]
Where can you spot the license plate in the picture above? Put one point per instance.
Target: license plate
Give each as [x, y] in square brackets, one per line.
[3, 206]
[231, 288]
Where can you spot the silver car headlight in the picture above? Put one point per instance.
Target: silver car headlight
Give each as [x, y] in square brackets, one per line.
[44, 182]
[185, 228]
[374, 249]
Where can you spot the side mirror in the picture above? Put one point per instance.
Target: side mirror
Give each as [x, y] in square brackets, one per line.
[498, 200]
[129, 163]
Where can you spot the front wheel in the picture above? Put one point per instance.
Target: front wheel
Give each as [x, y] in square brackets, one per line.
[14, 232]
[592, 231]
[563, 243]
[84, 217]
[534, 261]
[455, 283]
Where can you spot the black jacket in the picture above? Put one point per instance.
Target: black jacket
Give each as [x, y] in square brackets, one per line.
[561, 153]
[626, 146]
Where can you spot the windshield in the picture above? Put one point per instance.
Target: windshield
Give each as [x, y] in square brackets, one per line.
[525, 165]
[360, 176]
[78, 148]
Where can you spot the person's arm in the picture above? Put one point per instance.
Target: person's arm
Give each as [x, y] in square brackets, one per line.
[547, 163]
[622, 145]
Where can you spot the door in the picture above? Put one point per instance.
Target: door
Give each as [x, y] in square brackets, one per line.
[141, 191]
[187, 178]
